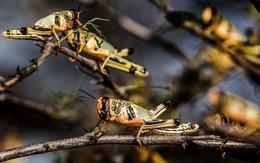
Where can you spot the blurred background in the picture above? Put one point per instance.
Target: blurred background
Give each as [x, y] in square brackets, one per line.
[55, 84]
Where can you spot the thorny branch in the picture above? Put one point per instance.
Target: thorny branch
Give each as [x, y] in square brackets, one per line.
[89, 139]
[48, 49]
[27, 71]
[92, 65]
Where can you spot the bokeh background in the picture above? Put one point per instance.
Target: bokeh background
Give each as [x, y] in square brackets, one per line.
[56, 83]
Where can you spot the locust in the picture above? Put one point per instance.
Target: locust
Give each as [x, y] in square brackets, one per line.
[49, 25]
[230, 37]
[59, 22]
[132, 115]
[89, 43]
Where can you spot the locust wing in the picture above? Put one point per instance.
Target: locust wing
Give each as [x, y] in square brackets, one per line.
[153, 113]
[46, 22]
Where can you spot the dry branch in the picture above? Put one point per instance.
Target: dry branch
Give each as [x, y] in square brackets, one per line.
[92, 65]
[27, 71]
[42, 109]
[48, 49]
[208, 141]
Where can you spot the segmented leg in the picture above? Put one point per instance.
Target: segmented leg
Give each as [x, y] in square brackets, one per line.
[138, 134]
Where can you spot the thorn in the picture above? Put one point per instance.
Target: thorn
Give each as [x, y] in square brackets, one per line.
[34, 60]
[87, 131]
[184, 145]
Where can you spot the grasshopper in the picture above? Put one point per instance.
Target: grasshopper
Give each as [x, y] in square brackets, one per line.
[56, 22]
[129, 114]
[132, 115]
[217, 25]
[89, 43]
[59, 22]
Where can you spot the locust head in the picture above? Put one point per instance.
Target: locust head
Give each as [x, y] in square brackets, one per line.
[103, 108]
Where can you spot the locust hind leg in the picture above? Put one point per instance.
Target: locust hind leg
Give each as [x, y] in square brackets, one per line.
[56, 36]
[127, 66]
[125, 52]
[138, 134]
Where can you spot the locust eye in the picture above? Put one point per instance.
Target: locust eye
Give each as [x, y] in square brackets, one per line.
[104, 107]
[75, 13]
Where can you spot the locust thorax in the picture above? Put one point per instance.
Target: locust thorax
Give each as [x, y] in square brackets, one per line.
[73, 15]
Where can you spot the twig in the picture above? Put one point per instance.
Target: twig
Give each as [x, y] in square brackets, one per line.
[208, 141]
[92, 65]
[25, 72]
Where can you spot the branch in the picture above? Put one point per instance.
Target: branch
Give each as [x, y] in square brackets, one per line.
[92, 65]
[27, 71]
[208, 141]
[42, 109]
[48, 49]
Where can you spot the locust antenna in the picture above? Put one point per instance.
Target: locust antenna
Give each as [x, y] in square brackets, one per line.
[88, 95]
[94, 3]
[79, 6]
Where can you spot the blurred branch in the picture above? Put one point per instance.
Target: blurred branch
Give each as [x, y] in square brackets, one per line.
[27, 71]
[207, 141]
[44, 110]
[140, 31]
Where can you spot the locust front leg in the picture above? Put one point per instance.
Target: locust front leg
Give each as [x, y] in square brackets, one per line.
[102, 128]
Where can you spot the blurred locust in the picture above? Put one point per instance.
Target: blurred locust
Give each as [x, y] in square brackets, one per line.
[217, 25]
